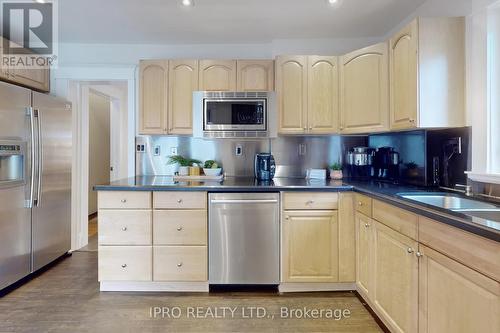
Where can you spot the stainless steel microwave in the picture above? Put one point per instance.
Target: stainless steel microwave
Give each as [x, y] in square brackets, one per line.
[234, 114]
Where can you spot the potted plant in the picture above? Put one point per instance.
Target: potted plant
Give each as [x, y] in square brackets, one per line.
[212, 168]
[184, 163]
[411, 169]
[336, 171]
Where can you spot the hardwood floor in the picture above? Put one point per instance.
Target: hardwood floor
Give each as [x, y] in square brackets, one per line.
[66, 298]
[92, 225]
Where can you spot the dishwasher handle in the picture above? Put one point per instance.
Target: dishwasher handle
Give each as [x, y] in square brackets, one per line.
[243, 201]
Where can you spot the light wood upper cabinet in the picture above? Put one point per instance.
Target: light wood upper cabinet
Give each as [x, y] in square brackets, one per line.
[153, 96]
[364, 90]
[217, 75]
[427, 74]
[255, 75]
[323, 101]
[310, 246]
[395, 278]
[291, 87]
[183, 80]
[455, 298]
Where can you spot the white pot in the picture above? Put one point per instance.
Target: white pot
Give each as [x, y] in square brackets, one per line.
[183, 171]
[336, 174]
[212, 172]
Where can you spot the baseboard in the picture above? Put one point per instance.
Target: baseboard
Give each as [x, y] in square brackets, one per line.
[150, 286]
[368, 306]
[288, 287]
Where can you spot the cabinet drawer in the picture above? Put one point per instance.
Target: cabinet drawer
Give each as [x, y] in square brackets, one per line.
[306, 200]
[180, 200]
[125, 227]
[364, 205]
[180, 263]
[125, 263]
[180, 227]
[124, 200]
[471, 250]
[398, 219]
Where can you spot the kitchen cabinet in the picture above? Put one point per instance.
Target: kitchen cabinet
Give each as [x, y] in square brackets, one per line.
[364, 259]
[153, 97]
[183, 80]
[37, 79]
[395, 278]
[427, 74]
[310, 246]
[217, 75]
[307, 88]
[454, 297]
[364, 90]
[255, 75]
[291, 88]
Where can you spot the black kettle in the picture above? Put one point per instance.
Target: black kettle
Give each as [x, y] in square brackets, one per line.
[264, 167]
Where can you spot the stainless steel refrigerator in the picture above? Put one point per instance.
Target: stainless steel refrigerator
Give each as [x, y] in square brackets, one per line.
[35, 181]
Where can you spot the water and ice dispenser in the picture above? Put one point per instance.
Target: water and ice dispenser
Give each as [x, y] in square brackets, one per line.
[12, 161]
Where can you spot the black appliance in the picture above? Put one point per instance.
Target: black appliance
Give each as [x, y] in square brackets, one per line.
[264, 167]
[386, 164]
[360, 163]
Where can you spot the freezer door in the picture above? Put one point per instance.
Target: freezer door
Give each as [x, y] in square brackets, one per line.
[51, 226]
[15, 215]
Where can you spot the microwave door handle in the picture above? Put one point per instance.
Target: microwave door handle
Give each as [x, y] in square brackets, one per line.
[29, 112]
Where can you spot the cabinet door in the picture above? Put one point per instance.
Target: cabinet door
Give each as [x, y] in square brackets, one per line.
[217, 75]
[323, 101]
[364, 226]
[395, 279]
[310, 246]
[153, 96]
[37, 79]
[255, 75]
[364, 90]
[291, 87]
[183, 80]
[455, 298]
[403, 77]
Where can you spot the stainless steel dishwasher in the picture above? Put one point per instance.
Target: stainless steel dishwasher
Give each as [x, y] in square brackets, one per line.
[244, 238]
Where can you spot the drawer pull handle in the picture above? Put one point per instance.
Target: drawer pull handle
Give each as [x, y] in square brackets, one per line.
[360, 203]
[409, 250]
[123, 200]
[418, 254]
[179, 228]
[124, 229]
[367, 225]
[179, 201]
[179, 264]
[124, 266]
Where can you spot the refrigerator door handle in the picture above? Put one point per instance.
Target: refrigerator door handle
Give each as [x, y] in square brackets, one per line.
[30, 114]
[39, 156]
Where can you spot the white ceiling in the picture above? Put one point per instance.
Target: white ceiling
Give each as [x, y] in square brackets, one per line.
[225, 21]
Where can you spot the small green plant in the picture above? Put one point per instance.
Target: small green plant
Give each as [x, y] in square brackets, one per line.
[336, 166]
[411, 165]
[211, 164]
[183, 161]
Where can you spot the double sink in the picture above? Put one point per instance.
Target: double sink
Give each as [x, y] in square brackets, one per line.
[455, 203]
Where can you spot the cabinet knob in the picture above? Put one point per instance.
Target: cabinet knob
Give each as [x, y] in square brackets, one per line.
[179, 201]
[367, 225]
[124, 266]
[310, 127]
[124, 229]
[123, 200]
[179, 228]
[409, 250]
[341, 128]
[411, 120]
[287, 218]
[419, 254]
[360, 203]
[310, 202]
[179, 264]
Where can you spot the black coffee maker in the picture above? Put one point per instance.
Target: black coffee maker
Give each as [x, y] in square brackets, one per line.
[386, 164]
[264, 167]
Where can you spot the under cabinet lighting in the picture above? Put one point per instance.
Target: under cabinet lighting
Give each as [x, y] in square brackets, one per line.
[187, 3]
[334, 3]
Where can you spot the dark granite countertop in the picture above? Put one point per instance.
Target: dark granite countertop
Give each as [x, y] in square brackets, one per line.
[388, 192]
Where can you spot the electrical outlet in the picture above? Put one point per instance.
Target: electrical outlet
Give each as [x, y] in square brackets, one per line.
[173, 150]
[302, 149]
[156, 151]
[239, 150]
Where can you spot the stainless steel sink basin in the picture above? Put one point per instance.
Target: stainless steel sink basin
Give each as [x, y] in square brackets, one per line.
[450, 201]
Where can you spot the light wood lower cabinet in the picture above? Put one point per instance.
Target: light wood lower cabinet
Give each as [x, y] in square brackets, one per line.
[125, 263]
[455, 298]
[180, 263]
[395, 278]
[125, 227]
[310, 246]
[364, 260]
